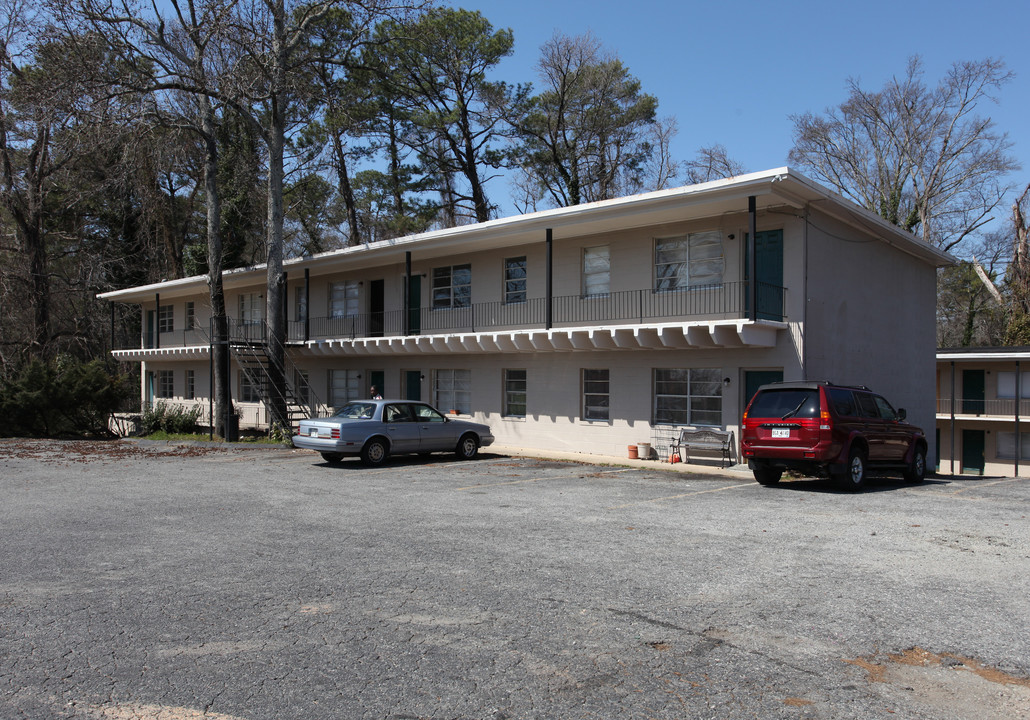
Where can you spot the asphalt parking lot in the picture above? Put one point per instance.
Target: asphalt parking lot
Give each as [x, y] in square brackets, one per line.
[177, 583]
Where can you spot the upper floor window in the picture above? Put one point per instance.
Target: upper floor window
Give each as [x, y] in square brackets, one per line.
[452, 286]
[250, 309]
[191, 315]
[515, 280]
[343, 299]
[1007, 385]
[300, 305]
[597, 270]
[165, 319]
[688, 261]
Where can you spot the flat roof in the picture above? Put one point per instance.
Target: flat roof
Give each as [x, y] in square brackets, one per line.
[771, 188]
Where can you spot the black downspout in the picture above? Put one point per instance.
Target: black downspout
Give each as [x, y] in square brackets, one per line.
[211, 380]
[407, 293]
[1019, 395]
[549, 280]
[752, 221]
[952, 453]
[157, 321]
[307, 304]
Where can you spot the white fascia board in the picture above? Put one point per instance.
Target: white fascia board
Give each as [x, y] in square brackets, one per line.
[984, 356]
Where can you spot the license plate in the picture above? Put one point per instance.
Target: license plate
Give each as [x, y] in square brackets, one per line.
[314, 432]
[781, 432]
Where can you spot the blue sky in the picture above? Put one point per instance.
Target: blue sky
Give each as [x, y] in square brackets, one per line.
[734, 73]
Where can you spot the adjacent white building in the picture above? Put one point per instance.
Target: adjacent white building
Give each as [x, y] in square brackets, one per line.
[983, 405]
[587, 328]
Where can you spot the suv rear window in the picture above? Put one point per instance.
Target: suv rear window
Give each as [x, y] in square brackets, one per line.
[785, 403]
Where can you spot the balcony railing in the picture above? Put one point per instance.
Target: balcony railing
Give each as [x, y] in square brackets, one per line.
[723, 301]
[998, 408]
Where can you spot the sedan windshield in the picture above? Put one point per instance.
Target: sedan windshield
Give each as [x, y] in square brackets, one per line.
[357, 411]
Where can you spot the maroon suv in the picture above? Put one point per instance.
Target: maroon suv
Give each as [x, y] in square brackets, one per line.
[818, 428]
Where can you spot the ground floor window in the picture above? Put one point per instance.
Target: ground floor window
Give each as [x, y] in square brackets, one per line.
[165, 383]
[688, 396]
[300, 381]
[595, 394]
[191, 385]
[344, 386]
[1006, 449]
[249, 391]
[453, 390]
[514, 393]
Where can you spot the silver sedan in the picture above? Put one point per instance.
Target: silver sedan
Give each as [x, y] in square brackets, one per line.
[376, 429]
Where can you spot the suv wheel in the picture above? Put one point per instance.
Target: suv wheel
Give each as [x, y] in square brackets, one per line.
[766, 475]
[917, 470]
[853, 477]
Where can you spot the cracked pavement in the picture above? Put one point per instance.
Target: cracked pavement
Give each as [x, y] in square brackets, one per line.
[148, 581]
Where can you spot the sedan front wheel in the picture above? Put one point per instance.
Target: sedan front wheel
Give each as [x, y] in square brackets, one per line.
[468, 447]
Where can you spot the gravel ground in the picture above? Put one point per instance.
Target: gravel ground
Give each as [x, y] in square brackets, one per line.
[171, 582]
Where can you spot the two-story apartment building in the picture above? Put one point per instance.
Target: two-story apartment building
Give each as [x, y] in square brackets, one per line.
[586, 328]
[981, 426]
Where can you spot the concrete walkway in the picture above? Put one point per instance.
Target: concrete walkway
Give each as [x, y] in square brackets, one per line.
[702, 467]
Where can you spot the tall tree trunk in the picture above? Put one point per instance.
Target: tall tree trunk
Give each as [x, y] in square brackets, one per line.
[275, 290]
[346, 191]
[219, 320]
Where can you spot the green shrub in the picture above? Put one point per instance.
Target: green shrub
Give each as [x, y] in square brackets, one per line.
[172, 419]
[65, 397]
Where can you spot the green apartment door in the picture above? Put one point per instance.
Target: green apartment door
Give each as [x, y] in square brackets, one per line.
[769, 259]
[412, 385]
[973, 451]
[973, 392]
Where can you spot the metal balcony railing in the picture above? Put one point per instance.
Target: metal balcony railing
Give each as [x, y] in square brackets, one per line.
[722, 301]
[997, 408]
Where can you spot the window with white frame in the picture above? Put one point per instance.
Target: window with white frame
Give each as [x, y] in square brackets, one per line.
[300, 381]
[191, 315]
[300, 304]
[344, 298]
[453, 390]
[452, 286]
[1007, 385]
[251, 309]
[597, 270]
[165, 383]
[1006, 449]
[250, 392]
[688, 261]
[165, 319]
[596, 399]
[514, 393]
[191, 385]
[515, 280]
[688, 396]
[344, 386]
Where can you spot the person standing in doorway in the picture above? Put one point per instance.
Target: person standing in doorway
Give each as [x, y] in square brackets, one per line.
[375, 393]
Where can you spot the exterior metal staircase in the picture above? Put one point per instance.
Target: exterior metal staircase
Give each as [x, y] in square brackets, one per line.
[249, 347]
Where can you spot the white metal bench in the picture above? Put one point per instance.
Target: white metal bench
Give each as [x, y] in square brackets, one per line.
[709, 440]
